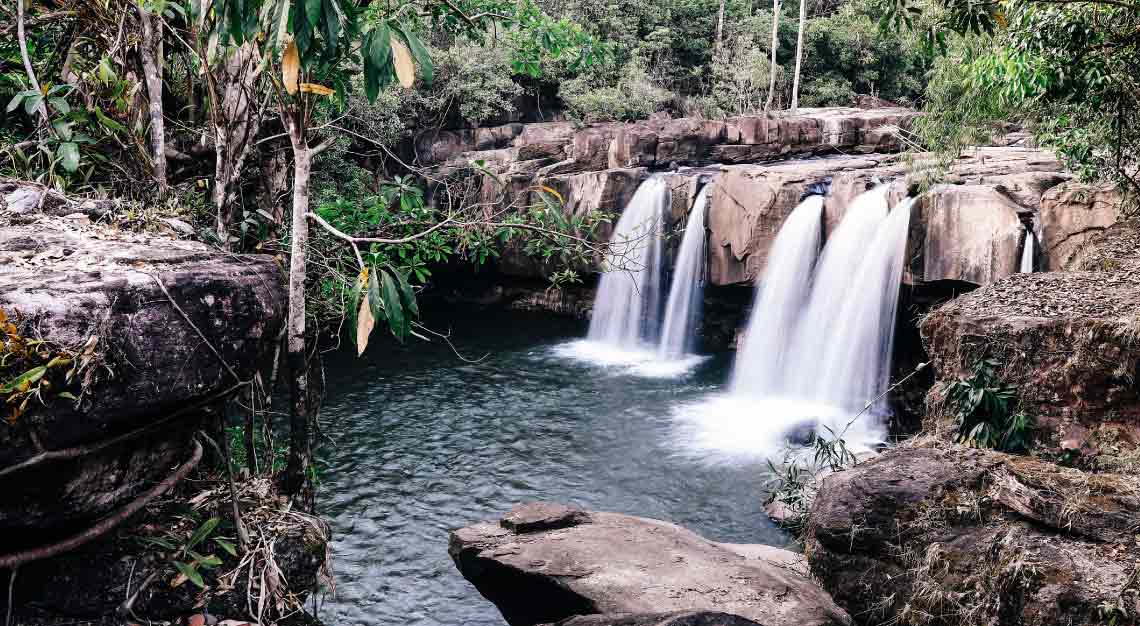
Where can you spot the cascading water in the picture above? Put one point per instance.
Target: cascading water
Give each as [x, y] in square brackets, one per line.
[626, 308]
[815, 359]
[854, 369]
[1027, 253]
[779, 300]
[810, 331]
[684, 303]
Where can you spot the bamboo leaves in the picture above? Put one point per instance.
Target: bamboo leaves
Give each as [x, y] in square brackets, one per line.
[381, 294]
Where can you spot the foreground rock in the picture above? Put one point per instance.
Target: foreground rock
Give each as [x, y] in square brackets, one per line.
[1065, 340]
[962, 536]
[544, 563]
[140, 318]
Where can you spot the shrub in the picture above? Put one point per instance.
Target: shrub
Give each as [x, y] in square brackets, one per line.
[634, 96]
[983, 404]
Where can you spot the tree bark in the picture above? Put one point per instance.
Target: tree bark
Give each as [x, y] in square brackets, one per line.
[236, 121]
[28, 69]
[775, 44]
[799, 56]
[150, 52]
[300, 448]
[720, 26]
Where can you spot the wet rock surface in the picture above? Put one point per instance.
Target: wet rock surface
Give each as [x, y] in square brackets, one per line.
[963, 536]
[616, 565]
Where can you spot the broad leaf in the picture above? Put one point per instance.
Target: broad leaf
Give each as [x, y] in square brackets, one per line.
[402, 61]
[69, 156]
[364, 324]
[397, 321]
[407, 296]
[290, 67]
[190, 573]
[203, 531]
[419, 54]
[229, 548]
[24, 381]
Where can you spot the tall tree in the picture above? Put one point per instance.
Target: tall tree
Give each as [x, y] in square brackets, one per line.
[720, 26]
[799, 56]
[775, 45]
[150, 53]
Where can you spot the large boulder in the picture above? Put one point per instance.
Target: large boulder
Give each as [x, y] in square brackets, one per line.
[1072, 214]
[925, 536]
[1065, 340]
[545, 562]
[157, 330]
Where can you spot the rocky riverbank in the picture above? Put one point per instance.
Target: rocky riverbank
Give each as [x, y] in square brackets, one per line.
[131, 342]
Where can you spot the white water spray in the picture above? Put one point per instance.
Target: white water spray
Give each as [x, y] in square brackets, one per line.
[626, 308]
[1027, 252]
[780, 299]
[683, 306]
[815, 359]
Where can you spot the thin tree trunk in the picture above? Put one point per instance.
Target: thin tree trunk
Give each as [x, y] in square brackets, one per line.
[150, 51]
[799, 56]
[720, 26]
[775, 44]
[236, 121]
[249, 430]
[28, 69]
[300, 450]
[224, 439]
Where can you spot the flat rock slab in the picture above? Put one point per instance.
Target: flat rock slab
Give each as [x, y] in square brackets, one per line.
[609, 564]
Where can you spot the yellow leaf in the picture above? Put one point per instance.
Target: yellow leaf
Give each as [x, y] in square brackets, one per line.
[290, 67]
[364, 324]
[402, 60]
[320, 90]
[553, 192]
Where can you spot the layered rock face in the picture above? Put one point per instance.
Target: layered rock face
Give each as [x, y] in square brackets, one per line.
[1066, 340]
[162, 327]
[546, 562]
[963, 536]
[969, 228]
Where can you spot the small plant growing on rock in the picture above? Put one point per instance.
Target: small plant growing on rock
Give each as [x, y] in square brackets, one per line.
[983, 404]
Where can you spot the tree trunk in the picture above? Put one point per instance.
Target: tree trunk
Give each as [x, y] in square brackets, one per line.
[236, 122]
[799, 56]
[300, 449]
[775, 44]
[28, 69]
[150, 51]
[720, 26]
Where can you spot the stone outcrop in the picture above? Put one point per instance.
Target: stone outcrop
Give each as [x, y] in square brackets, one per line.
[1071, 215]
[144, 315]
[543, 563]
[1066, 340]
[964, 536]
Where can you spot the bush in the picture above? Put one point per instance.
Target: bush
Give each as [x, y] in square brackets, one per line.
[982, 405]
[634, 96]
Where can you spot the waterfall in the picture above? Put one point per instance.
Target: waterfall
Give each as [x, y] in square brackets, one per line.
[779, 300]
[854, 369]
[683, 306]
[1027, 252]
[627, 305]
[817, 349]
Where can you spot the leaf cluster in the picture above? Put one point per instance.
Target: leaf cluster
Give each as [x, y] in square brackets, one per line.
[983, 408]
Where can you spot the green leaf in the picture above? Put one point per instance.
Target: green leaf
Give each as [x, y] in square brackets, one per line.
[407, 296]
[227, 546]
[24, 381]
[203, 531]
[374, 300]
[59, 104]
[15, 101]
[397, 322]
[419, 53]
[63, 129]
[313, 12]
[69, 155]
[190, 573]
[209, 561]
[66, 395]
[32, 102]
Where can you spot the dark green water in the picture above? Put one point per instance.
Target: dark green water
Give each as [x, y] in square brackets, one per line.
[420, 442]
